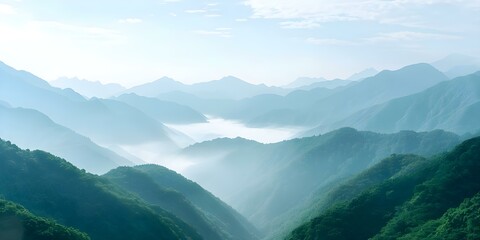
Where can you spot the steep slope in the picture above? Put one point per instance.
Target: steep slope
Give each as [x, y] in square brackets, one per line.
[172, 201]
[88, 88]
[341, 191]
[421, 203]
[51, 187]
[451, 105]
[185, 207]
[380, 88]
[216, 211]
[264, 181]
[32, 129]
[17, 223]
[104, 121]
[163, 111]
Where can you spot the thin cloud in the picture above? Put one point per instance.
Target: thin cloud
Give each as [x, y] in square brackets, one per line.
[312, 13]
[409, 36]
[402, 37]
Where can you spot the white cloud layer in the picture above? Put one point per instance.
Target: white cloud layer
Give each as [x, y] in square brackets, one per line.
[311, 13]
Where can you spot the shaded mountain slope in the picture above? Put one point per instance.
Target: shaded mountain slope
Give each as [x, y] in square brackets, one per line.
[268, 180]
[51, 187]
[421, 203]
[380, 88]
[341, 191]
[163, 111]
[17, 223]
[216, 211]
[451, 105]
[172, 201]
[104, 121]
[32, 129]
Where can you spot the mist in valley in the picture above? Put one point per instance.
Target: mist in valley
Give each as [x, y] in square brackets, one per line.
[239, 120]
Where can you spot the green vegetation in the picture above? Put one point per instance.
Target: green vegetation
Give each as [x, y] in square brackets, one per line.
[170, 200]
[342, 191]
[231, 224]
[52, 187]
[265, 181]
[430, 201]
[17, 223]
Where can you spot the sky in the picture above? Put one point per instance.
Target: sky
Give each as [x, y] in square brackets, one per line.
[260, 41]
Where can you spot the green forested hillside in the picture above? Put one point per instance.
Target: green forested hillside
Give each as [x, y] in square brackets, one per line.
[17, 223]
[430, 201]
[343, 190]
[52, 187]
[267, 180]
[218, 213]
[140, 183]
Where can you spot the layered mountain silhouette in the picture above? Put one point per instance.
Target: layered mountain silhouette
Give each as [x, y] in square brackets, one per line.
[104, 121]
[163, 111]
[451, 105]
[167, 189]
[369, 72]
[32, 129]
[286, 173]
[380, 88]
[51, 187]
[88, 88]
[456, 65]
[157, 202]
[226, 88]
[435, 199]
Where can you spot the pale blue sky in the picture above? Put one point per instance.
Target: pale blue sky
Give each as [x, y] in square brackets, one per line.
[260, 41]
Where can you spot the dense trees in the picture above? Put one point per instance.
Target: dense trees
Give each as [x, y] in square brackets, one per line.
[430, 201]
[52, 187]
[17, 223]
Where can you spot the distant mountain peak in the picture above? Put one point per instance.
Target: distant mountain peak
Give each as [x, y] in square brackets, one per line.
[363, 74]
[305, 81]
[166, 79]
[231, 78]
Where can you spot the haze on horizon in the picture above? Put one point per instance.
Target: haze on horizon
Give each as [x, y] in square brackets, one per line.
[260, 41]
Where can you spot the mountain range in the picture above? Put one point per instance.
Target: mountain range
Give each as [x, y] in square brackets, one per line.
[87, 88]
[32, 129]
[436, 199]
[452, 105]
[226, 88]
[266, 180]
[53, 188]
